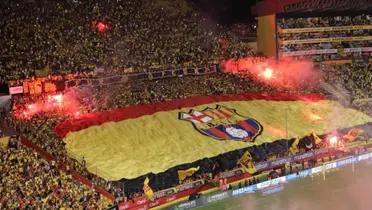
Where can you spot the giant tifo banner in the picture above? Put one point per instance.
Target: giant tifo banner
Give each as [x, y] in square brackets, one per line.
[131, 142]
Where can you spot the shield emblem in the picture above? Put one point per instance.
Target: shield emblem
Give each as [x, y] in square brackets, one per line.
[223, 123]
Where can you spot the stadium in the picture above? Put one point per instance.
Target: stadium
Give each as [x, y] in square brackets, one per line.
[134, 104]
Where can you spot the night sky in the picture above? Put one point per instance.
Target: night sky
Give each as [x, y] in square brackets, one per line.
[226, 11]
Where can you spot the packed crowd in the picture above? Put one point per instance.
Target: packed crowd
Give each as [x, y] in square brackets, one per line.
[354, 77]
[138, 35]
[39, 129]
[177, 88]
[83, 35]
[326, 34]
[326, 21]
[29, 182]
[336, 47]
[124, 36]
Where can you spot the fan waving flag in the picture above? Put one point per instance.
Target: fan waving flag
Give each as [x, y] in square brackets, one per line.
[147, 189]
[139, 140]
[183, 174]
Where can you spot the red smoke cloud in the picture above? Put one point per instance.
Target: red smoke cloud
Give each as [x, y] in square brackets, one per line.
[285, 73]
[63, 104]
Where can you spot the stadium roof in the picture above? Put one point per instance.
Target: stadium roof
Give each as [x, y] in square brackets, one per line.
[267, 7]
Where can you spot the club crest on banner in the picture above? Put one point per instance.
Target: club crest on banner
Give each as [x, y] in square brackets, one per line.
[223, 123]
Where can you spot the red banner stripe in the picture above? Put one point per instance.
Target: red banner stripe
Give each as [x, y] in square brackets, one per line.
[225, 112]
[247, 127]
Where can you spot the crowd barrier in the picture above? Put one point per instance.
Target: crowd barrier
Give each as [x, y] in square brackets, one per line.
[324, 29]
[326, 51]
[321, 40]
[140, 76]
[337, 62]
[205, 200]
[308, 52]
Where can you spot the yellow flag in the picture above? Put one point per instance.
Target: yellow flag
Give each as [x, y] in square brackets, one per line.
[246, 158]
[183, 174]
[352, 134]
[316, 138]
[294, 149]
[247, 163]
[4, 142]
[45, 200]
[147, 189]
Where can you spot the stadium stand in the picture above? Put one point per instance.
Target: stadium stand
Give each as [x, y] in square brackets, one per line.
[334, 31]
[28, 181]
[345, 37]
[73, 40]
[116, 35]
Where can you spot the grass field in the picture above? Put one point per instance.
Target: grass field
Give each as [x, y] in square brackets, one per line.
[342, 189]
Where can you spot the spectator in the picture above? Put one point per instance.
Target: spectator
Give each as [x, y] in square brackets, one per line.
[30, 182]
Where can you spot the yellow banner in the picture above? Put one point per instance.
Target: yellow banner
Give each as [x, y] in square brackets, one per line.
[332, 39]
[323, 29]
[4, 142]
[352, 134]
[294, 149]
[247, 163]
[316, 138]
[183, 174]
[337, 62]
[147, 189]
[155, 143]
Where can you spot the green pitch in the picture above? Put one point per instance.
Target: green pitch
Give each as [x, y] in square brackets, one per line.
[343, 189]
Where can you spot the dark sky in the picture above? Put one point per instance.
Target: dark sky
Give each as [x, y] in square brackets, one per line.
[226, 11]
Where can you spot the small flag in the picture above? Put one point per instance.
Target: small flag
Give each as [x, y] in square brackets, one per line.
[316, 138]
[183, 174]
[4, 142]
[147, 189]
[352, 134]
[294, 147]
[247, 163]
